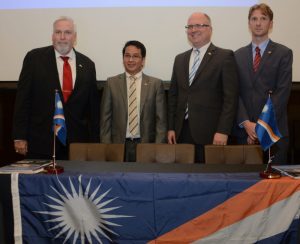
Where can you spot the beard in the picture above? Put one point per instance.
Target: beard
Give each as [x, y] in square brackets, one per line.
[63, 48]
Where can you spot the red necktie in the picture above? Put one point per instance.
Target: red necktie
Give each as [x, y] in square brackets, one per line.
[67, 79]
[257, 59]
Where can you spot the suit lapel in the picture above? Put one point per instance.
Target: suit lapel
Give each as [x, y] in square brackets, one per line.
[144, 91]
[50, 62]
[265, 57]
[79, 81]
[267, 54]
[205, 60]
[123, 89]
[186, 62]
[249, 58]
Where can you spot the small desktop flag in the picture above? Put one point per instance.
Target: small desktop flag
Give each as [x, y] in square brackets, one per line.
[59, 125]
[266, 127]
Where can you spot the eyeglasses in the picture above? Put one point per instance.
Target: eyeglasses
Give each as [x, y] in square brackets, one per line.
[133, 57]
[67, 32]
[196, 27]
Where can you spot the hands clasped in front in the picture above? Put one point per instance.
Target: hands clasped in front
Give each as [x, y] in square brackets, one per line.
[21, 147]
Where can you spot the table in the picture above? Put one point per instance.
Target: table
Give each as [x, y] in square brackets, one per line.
[155, 203]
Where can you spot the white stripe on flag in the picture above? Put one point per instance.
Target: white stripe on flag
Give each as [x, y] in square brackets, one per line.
[269, 130]
[16, 208]
[269, 222]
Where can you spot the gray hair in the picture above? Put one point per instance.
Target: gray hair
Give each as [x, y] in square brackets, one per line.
[65, 18]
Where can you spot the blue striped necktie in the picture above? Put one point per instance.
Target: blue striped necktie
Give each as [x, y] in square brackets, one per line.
[192, 73]
[195, 66]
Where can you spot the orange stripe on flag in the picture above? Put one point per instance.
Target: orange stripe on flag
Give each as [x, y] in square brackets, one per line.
[254, 199]
[273, 136]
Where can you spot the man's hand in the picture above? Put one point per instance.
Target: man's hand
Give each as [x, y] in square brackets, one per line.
[250, 129]
[251, 142]
[171, 137]
[220, 139]
[21, 146]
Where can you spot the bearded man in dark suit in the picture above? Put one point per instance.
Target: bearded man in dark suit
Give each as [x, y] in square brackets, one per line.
[41, 76]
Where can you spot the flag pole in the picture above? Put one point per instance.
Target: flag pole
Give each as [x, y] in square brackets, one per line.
[54, 136]
[269, 172]
[54, 169]
[54, 151]
[269, 164]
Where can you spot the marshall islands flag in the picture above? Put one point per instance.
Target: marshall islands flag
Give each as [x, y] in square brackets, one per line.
[155, 208]
[266, 127]
[59, 125]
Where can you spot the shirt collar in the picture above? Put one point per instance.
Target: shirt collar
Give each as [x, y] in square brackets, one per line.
[137, 75]
[71, 54]
[262, 46]
[203, 48]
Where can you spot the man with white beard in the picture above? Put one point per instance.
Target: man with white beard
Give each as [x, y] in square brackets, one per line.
[61, 68]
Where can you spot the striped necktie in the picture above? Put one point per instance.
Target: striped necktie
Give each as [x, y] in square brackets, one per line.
[195, 66]
[192, 73]
[132, 106]
[257, 59]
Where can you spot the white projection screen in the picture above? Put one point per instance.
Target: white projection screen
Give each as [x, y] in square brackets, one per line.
[103, 26]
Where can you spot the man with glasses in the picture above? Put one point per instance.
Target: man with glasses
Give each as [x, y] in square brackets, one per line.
[133, 107]
[204, 90]
[263, 66]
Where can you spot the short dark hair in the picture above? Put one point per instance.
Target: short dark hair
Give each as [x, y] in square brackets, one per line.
[138, 45]
[264, 8]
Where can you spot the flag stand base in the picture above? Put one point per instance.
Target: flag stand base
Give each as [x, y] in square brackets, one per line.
[51, 169]
[269, 173]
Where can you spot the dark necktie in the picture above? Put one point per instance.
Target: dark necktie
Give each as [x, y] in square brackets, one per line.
[67, 79]
[257, 59]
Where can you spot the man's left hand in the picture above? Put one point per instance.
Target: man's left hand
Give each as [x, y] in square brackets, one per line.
[220, 139]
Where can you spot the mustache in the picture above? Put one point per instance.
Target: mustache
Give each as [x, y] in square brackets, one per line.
[63, 43]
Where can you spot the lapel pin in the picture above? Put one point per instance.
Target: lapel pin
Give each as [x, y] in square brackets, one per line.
[209, 53]
[80, 65]
[269, 52]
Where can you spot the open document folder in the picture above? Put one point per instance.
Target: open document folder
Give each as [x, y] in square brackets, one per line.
[289, 170]
[25, 167]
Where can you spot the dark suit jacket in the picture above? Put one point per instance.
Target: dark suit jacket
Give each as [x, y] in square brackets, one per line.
[274, 74]
[212, 97]
[114, 110]
[34, 107]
